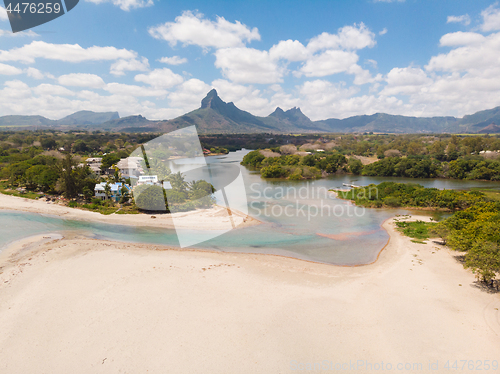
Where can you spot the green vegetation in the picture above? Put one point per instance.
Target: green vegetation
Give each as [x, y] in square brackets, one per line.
[297, 166]
[395, 195]
[474, 228]
[418, 230]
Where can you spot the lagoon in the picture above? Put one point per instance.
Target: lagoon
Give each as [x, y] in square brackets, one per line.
[300, 219]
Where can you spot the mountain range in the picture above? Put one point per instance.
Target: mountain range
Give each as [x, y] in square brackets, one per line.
[217, 116]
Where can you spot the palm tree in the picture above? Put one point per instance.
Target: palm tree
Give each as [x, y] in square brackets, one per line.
[178, 183]
[107, 190]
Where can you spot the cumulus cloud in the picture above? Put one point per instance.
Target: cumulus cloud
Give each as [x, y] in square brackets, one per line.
[291, 50]
[383, 31]
[248, 65]
[188, 95]
[52, 90]
[160, 78]
[81, 80]
[121, 66]
[465, 19]
[64, 52]
[491, 18]
[9, 70]
[193, 29]
[480, 53]
[328, 63]
[461, 38]
[133, 90]
[125, 5]
[3, 14]
[348, 37]
[34, 73]
[405, 81]
[174, 60]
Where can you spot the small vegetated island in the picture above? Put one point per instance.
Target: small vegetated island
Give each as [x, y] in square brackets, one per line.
[474, 227]
[287, 162]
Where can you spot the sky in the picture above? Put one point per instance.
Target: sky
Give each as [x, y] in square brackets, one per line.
[331, 58]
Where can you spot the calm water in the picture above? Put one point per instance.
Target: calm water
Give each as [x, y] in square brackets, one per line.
[300, 219]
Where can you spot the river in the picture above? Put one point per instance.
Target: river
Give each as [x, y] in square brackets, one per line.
[300, 219]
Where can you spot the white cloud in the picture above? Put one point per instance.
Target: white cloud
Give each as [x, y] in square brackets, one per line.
[192, 29]
[9, 70]
[174, 60]
[64, 52]
[121, 66]
[125, 5]
[465, 19]
[383, 31]
[291, 50]
[34, 73]
[405, 81]
[491, 18]
[248, 65]
[188, 95]
[160, 78]
[52, 90]
[81, 80]
[3, 14]
[474, 56]
[348, 37]
[461, 38]
[133, 90]
[328, 63]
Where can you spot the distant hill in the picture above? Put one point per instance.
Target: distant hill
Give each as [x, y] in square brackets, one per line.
[86, 117]
[75, 120]
[217, 116]
[381, 122]
[25, 122]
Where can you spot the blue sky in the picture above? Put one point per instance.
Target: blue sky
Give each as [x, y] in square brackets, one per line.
[333, 58]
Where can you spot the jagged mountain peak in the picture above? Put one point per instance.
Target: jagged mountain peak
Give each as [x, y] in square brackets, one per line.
[211, 100]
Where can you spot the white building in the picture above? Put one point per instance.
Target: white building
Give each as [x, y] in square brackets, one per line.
[130, 167]
[116, 191]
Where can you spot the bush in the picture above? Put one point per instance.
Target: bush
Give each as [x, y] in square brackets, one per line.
[72, 204]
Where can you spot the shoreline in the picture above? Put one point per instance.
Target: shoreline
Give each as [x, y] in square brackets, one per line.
[86, 305]
[215, 218]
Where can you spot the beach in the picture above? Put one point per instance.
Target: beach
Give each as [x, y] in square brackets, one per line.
[215, 218]
[90, 306]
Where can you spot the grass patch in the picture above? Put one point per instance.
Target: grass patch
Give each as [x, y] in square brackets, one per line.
[418, 241]
[491, 194]
[417, 230]
[6, 190]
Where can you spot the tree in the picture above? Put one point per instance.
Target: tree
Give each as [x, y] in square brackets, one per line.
[484, 260]
[178, 183]
[355, 166]
[150, 198]
[87, 193]
[441, 230]
[107, 190]
[125, 196]
[108, 160]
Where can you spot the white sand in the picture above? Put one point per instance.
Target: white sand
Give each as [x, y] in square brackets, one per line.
[86, 306]
[215, 218]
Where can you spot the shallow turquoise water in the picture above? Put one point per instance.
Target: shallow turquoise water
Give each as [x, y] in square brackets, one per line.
[293, 214]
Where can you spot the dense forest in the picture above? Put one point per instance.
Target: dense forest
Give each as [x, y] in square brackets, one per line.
[408, 156]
